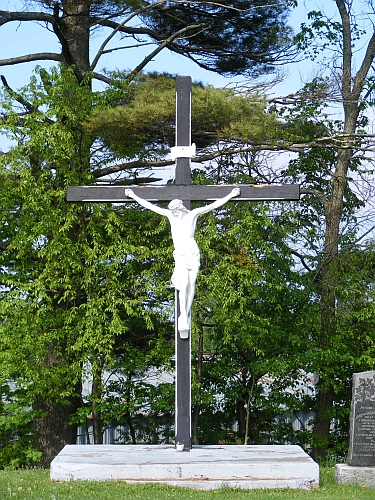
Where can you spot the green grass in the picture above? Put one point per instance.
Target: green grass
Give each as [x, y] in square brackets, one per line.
[36, 485]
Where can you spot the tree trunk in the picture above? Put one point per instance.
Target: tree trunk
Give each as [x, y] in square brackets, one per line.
[73, 31]
[329, 283]
[351, 89]
[323, 423]
[131, 427]
[248, 412]
[96, 414]
[241, 418]
[329, 279]
[52, 428]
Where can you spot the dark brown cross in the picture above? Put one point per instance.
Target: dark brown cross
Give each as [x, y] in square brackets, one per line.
[183, 190]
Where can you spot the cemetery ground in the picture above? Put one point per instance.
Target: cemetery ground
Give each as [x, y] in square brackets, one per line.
[35, 484]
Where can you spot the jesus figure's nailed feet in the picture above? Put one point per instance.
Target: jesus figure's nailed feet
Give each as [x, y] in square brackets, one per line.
[183, 327]
[184, 334]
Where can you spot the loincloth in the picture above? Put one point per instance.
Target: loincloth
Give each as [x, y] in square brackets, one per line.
[184, 261]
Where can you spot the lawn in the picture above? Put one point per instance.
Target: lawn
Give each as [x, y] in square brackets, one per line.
[36, 485]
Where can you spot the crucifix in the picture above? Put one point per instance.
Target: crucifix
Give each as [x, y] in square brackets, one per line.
[183, 221]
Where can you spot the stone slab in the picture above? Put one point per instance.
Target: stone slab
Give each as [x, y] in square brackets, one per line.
[349, 474]
[204, 467]
[362, 421]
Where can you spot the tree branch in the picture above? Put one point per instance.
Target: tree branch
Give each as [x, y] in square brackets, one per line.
[165, 43]
[18, 97]
[347, 50]
[318, 194]
[128, 30]
[6, 17]
[116, 30]
[133, 181]
[301, 258]
[368, 59]
[41, 56]
[102, 78]
[131, 165]
[323, 142]
[134, 31]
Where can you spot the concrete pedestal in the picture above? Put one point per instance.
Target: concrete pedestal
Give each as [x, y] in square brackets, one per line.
[349, 474]
[204, 467]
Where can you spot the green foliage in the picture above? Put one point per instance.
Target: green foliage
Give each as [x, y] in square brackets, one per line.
[144, 122]
[89, 285]
[133, 396]
[16, 447]
[83, 285]
[323, 33]
[255, 315]
[78, 281]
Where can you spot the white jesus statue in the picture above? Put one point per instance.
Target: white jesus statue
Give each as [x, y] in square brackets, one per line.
[186, 252]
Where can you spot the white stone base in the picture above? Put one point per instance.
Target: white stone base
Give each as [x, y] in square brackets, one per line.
[349, 474]
[204, 467]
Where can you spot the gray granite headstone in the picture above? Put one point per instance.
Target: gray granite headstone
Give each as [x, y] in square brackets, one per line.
[362, 420]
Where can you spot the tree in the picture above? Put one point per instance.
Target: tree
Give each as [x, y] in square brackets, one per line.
[327, 173]
[228, 37]
[146, 121]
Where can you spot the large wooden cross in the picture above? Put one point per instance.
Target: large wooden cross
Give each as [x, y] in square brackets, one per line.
[183, 190]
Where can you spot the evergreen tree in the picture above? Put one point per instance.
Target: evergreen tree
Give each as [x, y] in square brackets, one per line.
[227, 37]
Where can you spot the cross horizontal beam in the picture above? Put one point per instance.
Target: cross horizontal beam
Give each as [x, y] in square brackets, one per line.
[249, 192]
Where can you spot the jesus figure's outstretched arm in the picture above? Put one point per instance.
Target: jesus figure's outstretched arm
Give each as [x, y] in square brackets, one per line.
[218, 203]
[146, 204]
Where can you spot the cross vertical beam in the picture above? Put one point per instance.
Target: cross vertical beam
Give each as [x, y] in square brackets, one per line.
[183, 345]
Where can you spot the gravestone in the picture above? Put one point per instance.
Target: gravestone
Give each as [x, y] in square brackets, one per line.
[362, 420]
[361, 457]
